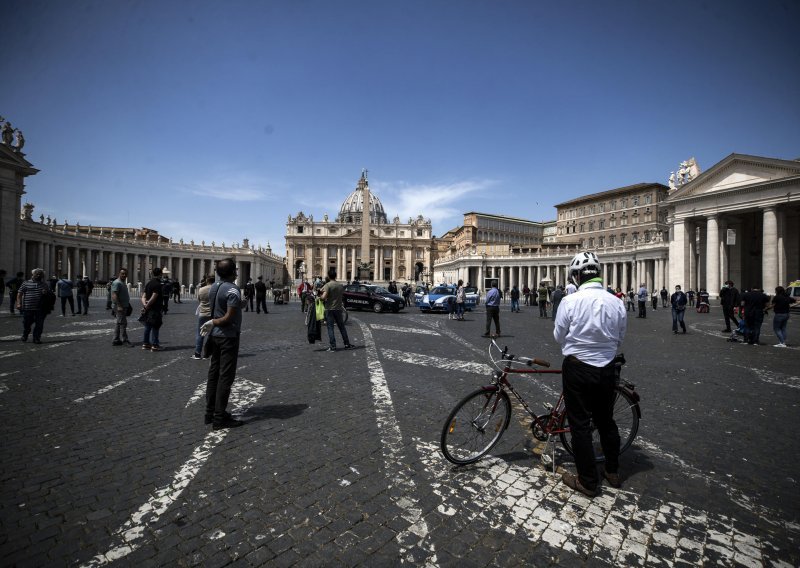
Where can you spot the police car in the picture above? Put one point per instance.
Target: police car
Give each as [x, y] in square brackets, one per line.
[371, 297]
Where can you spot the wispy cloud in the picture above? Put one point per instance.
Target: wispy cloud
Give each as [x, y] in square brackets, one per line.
[240, 187]
[438, 202]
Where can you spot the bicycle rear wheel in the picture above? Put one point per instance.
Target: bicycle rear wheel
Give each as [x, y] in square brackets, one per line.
[626, 416]
[475, 425]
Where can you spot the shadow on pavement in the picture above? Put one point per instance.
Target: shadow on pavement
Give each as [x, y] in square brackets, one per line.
[279, 411]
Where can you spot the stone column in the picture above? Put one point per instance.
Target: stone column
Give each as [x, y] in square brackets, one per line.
[677, 255]
[769, 255]
[75, 266]
[394, 263]
[783, 277]
[712, 256]
[324, 261]
[625, 285]
[354, 269]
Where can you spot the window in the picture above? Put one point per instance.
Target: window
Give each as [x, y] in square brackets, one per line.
[622, 238]
[601, 241]
[612, 240]
[580, 227]
[624, 202]
[402, 233]
[419, 232]
[636, 201]
[647, 198]
[319, 231]
[591, 225]
[299, 230]
[602, 223]
[591, 242]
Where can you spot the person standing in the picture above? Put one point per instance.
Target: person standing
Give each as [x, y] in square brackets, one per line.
[541, 294]
[570, 289]
[83, 293]
[558, 295]
[461, 298]
[203, 314]
[166, 294]
[13, 287]
[492, 304]
[2, 286]
[332, 293]
[176, 292]
[654, 297]
[224, 330]
[515, 299]
[261, 295]
[729, 298]
[678, 301]
[590, 327]
[664, 297]
[64, 287]
[780, 308]
[526, 293]
[29, 303]
[691, 295]
[152, 304]
[642, 298]
[249, 293]
[121, 303]
[303, 293]
[754, 302]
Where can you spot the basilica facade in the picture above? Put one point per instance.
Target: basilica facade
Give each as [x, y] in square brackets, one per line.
[360, 242]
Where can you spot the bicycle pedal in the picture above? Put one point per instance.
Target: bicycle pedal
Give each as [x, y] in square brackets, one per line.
[537, 427]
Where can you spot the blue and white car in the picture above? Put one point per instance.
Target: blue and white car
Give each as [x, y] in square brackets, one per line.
[437, 299]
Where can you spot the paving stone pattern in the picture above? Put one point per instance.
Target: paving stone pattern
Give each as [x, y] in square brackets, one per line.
[106, 460]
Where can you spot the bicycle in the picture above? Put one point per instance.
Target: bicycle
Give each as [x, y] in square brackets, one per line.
[478, 421]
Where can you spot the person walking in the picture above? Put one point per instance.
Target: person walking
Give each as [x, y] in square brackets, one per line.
[166, 294]
[121, 303]
[557, 296]
[541, 297]
[492, 304]
[303, 291]
[152, 304]
[249, 295]
[642, 298]
[654, 298]
[526, 292]
[224, 329]
[515, 299]
[64, 288]
[261, 295]
[203, 314]
[332, 293]
[730, 299]
[29, 302]
[590, 327]
[780, 308]
[461, 298]
[678, 301]
[754, 303]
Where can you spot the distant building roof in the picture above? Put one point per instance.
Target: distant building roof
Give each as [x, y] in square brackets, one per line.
[610, 192]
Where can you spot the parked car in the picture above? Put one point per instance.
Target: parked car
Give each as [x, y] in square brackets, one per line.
[371, 297]
[436, 300]
[419, 293]
[793, 289]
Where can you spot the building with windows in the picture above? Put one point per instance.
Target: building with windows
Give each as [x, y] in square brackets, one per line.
[397, 251]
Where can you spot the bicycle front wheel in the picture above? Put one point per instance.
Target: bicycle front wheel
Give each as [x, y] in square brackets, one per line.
[626, 416]
[475, 425]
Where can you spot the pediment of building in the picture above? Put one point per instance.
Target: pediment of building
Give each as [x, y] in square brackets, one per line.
[737, 171]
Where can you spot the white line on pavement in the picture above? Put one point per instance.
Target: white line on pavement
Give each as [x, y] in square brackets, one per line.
[402, 329]
[121, 382]
[67, 334]
[415, 535]
[774, 378]
[438, 362]
[513, 498]
[243, 395]
[37, 348]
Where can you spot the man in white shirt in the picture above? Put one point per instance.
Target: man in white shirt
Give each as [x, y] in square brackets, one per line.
[590, 326]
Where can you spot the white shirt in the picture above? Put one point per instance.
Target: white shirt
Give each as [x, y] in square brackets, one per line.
[571, 289]
[591, 324]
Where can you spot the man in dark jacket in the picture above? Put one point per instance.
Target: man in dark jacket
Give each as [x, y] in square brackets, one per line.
[729, 297]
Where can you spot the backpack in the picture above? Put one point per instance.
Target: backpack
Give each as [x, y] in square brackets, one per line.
[47, 301]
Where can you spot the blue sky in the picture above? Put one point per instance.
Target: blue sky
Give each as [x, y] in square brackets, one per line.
[216, 120]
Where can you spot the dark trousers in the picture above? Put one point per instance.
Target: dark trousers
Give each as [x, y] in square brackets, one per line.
[83, 303]
[64, 301]
[35, 319]
[542, 308]
[493, 314]
[727, 311]
[221, 373]
[753, 320]
[677, 317]
[642, 309]
[248, 303]
[261, 304]
[589, 399]
[335, 317]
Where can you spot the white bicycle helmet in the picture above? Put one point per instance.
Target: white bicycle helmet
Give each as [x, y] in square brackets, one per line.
[584, 266]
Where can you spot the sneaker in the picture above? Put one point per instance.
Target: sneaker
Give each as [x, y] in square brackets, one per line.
[776, 345]
[116, 343]
[330, 349]
[227, 423]
[146, 346]
[349, 346]
[196, 357]
[613, 479]
[675, 331]
[573, 482]
[156, 348]
[209, 418]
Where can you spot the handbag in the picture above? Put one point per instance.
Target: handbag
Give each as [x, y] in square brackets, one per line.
[320, 309]
[128, 310]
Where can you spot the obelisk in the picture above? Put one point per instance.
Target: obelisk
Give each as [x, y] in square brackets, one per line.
[365, 257]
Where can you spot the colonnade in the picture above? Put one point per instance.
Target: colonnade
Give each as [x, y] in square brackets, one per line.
[390, 263]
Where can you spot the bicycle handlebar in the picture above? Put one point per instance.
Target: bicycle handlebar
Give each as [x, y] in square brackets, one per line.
[506, 356]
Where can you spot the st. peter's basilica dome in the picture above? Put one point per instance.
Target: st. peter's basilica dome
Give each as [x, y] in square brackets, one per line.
[353, 207]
